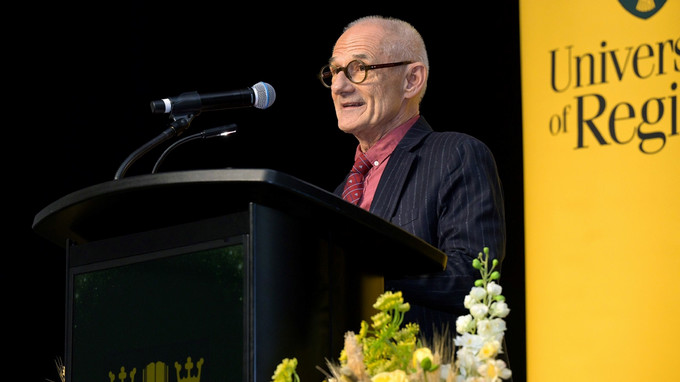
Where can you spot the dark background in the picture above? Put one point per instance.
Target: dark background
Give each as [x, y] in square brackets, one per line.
[81, 75]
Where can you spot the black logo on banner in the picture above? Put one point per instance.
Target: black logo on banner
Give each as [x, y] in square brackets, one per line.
[643, 9]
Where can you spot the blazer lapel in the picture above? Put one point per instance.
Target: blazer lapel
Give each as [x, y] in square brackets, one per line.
[392, 182]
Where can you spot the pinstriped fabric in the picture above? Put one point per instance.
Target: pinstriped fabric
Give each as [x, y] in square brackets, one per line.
[354, 185]
[444, 188]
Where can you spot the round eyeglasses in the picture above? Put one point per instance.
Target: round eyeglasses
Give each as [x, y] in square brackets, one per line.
[356, 71]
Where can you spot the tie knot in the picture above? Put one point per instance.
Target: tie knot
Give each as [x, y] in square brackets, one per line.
[362, 164]
[354, 185]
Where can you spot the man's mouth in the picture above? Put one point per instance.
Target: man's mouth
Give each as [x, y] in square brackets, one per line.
[352, 104]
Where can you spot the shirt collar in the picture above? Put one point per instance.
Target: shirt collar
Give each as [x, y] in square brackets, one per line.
[382, 149]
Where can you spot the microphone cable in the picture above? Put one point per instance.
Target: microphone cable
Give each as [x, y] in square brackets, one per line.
[221, 131]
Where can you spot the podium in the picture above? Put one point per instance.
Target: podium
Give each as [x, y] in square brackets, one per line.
[218, 275]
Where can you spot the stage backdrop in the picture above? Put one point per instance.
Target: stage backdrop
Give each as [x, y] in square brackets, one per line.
[602, 188]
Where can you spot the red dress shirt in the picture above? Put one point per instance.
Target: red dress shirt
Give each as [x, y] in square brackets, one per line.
[379, 154]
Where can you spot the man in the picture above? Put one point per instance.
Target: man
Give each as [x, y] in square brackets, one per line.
[441, 186]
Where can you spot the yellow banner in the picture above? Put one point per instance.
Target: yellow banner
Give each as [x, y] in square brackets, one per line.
[602, 188]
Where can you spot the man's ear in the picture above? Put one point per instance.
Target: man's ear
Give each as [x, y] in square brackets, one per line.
[415, 79]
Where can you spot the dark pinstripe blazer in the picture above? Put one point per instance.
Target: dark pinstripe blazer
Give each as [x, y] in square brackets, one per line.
[444, 188]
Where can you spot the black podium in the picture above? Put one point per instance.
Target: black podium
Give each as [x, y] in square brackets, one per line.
[218, 275]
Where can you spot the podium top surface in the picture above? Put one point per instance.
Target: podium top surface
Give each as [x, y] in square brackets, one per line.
[139, 203]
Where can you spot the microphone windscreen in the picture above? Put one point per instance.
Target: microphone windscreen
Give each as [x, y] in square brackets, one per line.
[264, 95]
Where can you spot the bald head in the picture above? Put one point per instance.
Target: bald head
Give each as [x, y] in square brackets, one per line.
[400, 41]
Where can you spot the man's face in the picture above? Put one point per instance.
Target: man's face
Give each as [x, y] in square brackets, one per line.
[371, 107]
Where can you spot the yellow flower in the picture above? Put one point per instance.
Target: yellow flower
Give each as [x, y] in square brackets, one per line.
[489, 349]
[392, 376]
[421, 355]
[389, 301]
[381, 319]
[285, 371]
[363, 331]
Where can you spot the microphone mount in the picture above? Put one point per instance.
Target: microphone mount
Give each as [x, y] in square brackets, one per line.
[187, 106]
[176, 128]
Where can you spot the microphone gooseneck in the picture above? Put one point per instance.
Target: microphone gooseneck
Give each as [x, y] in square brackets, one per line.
[176, 127]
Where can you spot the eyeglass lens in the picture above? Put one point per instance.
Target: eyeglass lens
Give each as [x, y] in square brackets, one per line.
[355, 71]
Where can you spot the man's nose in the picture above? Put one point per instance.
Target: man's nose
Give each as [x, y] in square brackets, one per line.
[340, 82]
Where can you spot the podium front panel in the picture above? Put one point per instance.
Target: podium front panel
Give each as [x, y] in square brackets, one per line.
[230, 297]
[147, 306]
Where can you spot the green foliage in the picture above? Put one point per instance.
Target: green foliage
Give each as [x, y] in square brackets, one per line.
[387, 346]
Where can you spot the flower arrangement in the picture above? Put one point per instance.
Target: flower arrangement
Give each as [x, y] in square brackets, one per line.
[482, 331]
[386, 352]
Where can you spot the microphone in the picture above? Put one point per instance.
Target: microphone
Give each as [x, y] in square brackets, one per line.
[261, 95]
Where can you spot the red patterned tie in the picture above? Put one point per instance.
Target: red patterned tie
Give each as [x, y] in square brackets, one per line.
[354, 188]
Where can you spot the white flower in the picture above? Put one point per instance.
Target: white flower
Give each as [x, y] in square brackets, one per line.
[491, 328]
[482, 330]
[492, 370]
[464, 323]
[477, 293]
[479, 310]
[472, 342]
[499, 309]
[468, 301]
[494, 289]
[466, 361]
